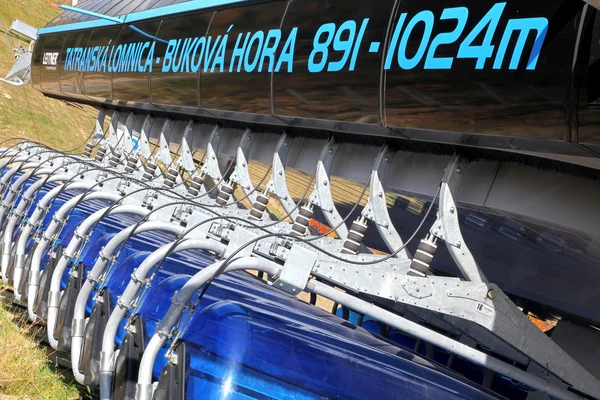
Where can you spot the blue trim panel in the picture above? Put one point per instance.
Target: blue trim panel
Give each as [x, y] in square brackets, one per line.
[194, 5]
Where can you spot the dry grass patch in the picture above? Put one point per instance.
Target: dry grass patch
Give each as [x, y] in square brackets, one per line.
[25, 372]
[25, 112]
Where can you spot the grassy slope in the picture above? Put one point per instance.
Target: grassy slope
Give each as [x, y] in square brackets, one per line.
[24, 369]
[24, 112]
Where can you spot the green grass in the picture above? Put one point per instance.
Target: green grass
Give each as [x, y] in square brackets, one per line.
[25, 372]
[25, 112]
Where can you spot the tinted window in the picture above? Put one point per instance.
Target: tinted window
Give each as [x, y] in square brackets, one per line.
[499, 98]
[98, 83]
[36, 61]
[589, 92]
[95, 5]
[177, 88]
[341, 94]
[241, 91]
[109, 8]
[121, 7]
[133, 85]
[49, 73]
[71, 81]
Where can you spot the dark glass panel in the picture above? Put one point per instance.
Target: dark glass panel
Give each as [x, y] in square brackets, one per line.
[177, 88]
[98, 83]
[72, 81]
[36, 62]
[109, 8]
[49, 74]
[589, 91]
[343, 95]
[241, 91]
[495, 99]
[133, 86]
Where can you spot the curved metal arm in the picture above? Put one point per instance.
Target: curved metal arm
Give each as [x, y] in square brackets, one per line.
[94, 276]
[180, 302]
[69, 253]
[128, 296]
[57, 220]
[33, 220]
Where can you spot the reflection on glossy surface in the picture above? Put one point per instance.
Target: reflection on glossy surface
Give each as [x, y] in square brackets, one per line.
[588, 71]
[36, 61]
[133, 86]
[49, 75]
[180, 88]
[538, 103]
[344, 95]
[250, 341]
[98, 84]
[72, 81]
[500, 102]
[548, 265]
[245, 92]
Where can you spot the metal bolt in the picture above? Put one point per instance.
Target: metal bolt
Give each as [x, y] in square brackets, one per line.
[380, 194]
[458, 170]
[452, 210]
[324, 182]
[387, 159]
[243, 164]
[491, 293]
[458, 244]
[330, 151]
[280, 172]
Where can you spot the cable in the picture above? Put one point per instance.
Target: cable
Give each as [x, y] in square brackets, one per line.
[393, 254]
[231, 257]
[302, 240]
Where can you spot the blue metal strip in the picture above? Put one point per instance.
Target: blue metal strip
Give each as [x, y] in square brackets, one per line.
[194, 5]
